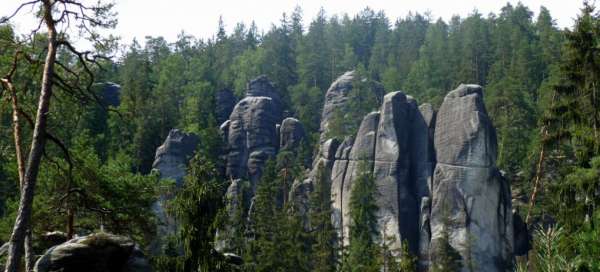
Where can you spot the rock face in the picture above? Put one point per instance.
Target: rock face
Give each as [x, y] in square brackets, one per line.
[470, 198]
[291, 133]
[252, 137]
[393, 144]
[335, 99]
[171, 162]
[173, 155]
[224, 102]
[255, 133]
[99, 252]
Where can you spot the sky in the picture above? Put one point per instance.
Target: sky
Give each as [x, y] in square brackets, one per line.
[141, 18]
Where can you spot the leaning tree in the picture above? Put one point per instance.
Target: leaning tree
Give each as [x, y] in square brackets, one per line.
[65, 68]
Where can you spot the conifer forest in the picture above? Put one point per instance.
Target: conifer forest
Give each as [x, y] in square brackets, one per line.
[339, 142]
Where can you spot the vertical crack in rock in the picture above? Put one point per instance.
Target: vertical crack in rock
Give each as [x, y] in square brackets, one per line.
[470, 198]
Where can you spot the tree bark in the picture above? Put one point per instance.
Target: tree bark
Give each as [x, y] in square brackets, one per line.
[29, 254]
[22, 222]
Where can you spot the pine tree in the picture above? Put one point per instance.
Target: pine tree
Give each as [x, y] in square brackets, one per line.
[363, 252]
[324, 248]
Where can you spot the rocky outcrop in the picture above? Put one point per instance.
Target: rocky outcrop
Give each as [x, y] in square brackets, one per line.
[224, 103]
[335, 99]
[392, 144]
[101, 252]
[252, 137]
[360, 159]
[291, 134]
[255, 133]
[171, 162]
[173, 155]
[338, 96]
[471, 200]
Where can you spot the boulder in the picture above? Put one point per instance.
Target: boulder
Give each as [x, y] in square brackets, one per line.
[224, 103]
[470, 198]
[100, 252]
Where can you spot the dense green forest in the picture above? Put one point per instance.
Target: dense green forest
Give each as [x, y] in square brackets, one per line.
[540, 85]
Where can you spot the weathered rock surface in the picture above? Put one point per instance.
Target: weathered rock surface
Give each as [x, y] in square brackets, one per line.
[173, 155]
[397, 201]
[99, 252]
[171, 162]
[360, 159]
[224, 103]
[291, 134]
[393, 144]
[338, 175]
[335, 99]
[252, 137]
[470, 198]
[252, 131]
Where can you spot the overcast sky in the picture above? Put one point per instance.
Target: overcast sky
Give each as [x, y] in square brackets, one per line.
[167, 18]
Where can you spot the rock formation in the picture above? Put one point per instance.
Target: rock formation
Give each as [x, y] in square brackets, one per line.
[173, 155]
[291, 133]
[254, 133]
[171, 162]
[470, 199]
[251, 132]
[392, 144]
[100, 252]
[429, 169]
[335, 99]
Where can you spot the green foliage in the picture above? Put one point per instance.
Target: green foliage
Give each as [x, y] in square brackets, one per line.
[363, 252]
[278, 242]
[197, 207]
[325, 246]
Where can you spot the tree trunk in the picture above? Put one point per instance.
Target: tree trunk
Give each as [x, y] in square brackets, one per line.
[22, 222]
[29, 254]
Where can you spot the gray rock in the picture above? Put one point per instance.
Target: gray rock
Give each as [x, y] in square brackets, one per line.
[470, 198]
[100, 252]
[338, 174]
[363, 152]
[224, 103]
[425, 233]
[171, 162]
[335, 99]
[173, 155]
[291, 134]
[252, 137]
[396, 202]
[464, 132]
